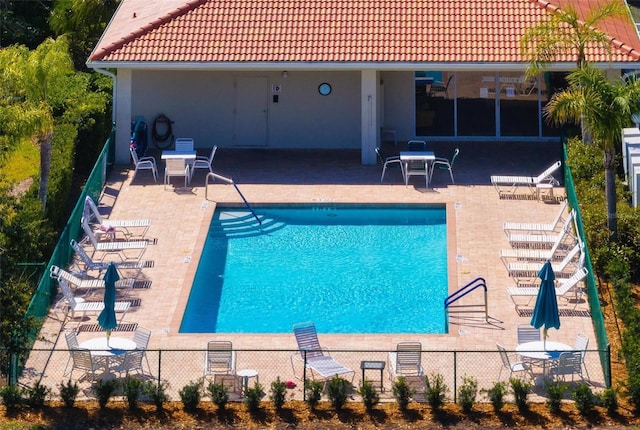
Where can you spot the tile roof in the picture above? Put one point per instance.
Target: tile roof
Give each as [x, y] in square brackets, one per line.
[338, 31]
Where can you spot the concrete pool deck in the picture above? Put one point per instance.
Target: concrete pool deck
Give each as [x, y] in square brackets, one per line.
[180, 219]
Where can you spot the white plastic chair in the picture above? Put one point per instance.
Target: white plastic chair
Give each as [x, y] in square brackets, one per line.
[515, 367]
[184, 144]
[580, 346]
[444, 164]
[144, 163]
[202, 162]
[527, 333]
[394, 159]
[176, 167]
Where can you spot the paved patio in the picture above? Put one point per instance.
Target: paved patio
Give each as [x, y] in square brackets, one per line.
[180, 219]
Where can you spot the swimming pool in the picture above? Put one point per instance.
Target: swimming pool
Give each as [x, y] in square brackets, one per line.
[350, 269]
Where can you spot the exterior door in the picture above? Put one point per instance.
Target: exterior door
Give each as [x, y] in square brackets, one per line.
[250, 111]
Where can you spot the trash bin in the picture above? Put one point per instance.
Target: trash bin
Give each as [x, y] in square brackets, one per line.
[139, 136]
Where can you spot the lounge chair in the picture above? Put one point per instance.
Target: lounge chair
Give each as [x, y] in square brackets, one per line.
[92, 215]
[90, 264]
[529, 270]
[86, 284]
[568, 287]
[220, 358]
[74, 304]
[543, 240]
[512, 183]
[119, 247]
[406, 360]
[551, 227]
[321, 366]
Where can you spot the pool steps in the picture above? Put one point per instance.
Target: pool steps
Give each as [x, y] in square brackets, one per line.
[243, 225]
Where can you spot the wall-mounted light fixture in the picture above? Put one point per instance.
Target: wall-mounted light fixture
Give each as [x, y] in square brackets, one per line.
[285, 74]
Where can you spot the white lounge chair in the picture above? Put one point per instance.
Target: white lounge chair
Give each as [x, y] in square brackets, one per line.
[568, 287]
[86, 284]
[512, 183]
[529, 270]
[220, 358]
[544, 240]
[551, 227]
[100, 266]
[321, 366]
[92, 215]
[406, 360]
[119, 247]
[75, 304]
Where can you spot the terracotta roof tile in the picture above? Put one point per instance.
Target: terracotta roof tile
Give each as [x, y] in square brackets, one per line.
[397, 31]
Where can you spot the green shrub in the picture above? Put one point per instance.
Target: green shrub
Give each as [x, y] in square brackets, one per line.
[520, 390]
[219, 394]
[312, 392]
[190, 395]
[370, 396]
[253, 397]
[11, 396]
[555, 393]
[436, 390]
[278, 393]
[37, 395]
[467, 393]
[496, 395]
[609, 399]
[584, 398]
[104, 389]
[69, 392]
[132, 387]
[402, 392]
[338, 391]
[157, 392]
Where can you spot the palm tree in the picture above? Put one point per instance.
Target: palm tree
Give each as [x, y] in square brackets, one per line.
[604, 106]
[565, 32]
[28, 80]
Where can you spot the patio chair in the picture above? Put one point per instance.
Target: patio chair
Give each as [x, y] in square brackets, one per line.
[119, 247]
[220, 358]
[58, 273]
[406, 360]
[444, 164]
[321, 366]
[552, 227]
[566, 289]
[530, 269]
[184, 144]
[141, 338]
[569, 363]
[232, 384]
[417, 145]
[512, 367]
[512, 183]
[82, 360]
[92, 215]
[527, 333]
[580, 346]
[387, 161]
[131, 362]
[143, 163]
[100, 266]
[176, 167]
[73, 304]
[202, 162]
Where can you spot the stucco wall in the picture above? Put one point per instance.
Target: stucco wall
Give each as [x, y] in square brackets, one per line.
[201, 105]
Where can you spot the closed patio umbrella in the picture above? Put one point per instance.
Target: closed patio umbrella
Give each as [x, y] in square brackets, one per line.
[107, 318]
[545, 312]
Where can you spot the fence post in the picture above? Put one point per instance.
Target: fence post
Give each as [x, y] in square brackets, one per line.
[159, 366]
[607, 378]
[455, 376]
[304, 375]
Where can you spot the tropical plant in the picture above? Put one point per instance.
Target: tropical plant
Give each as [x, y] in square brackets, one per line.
[467, 393]
[104, 389]
[605, 107]
[219, 394]
[370, 396]
[133, 388]
[69, 392]
[402, 392]
[253, 397]
[565, 31]
[338, 390]
[37, 395]
[157, 392]
[436, 390]
[496, 395]
[521, 390]
[190, 395]
[312, 392]
[278, 393]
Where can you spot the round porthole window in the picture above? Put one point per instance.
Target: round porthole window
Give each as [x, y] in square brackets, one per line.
[324, 89]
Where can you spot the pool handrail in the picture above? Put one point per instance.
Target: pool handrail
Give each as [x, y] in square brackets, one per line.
[463, 291]
[232, 182]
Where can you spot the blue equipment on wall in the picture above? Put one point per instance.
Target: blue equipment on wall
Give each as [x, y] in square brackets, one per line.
[139, 136]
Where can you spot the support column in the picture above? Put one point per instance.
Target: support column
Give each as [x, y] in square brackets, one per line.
[369, 129]
[123, 116]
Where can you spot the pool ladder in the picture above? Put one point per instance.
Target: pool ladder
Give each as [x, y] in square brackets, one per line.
[229, 181]
[463, 291]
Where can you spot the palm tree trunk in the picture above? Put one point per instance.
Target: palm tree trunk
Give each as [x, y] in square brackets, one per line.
[610, 190]
[45, 168]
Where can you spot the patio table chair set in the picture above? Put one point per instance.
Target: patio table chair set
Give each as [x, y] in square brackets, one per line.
[417, 167]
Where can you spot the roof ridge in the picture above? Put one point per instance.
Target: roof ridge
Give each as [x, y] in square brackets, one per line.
[180, 10]
[614, 42]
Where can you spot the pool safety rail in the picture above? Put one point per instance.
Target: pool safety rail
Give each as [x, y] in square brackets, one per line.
[215, 176]
[463, 291]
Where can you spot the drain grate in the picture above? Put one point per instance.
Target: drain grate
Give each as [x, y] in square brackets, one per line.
[563, 313]
[96, 328]
[141, 285]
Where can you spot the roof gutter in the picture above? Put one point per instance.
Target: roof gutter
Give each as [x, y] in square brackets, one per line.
[113, 95]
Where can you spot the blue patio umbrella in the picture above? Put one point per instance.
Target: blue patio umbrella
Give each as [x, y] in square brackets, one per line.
[107, 318]
[545, 312]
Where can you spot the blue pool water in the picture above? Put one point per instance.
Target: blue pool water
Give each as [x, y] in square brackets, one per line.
[348, 269]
